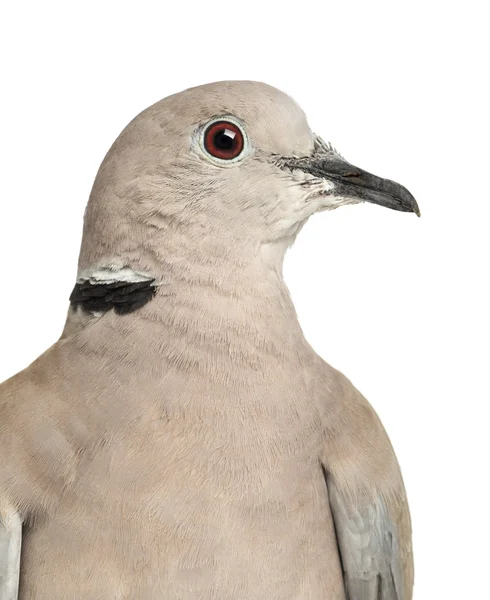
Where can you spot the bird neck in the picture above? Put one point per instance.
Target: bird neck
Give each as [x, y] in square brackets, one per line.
[211, 295]
[225, 299]
[215, 294]
[232, 321]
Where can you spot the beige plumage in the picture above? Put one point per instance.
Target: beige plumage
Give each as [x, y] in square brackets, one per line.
[197, 447]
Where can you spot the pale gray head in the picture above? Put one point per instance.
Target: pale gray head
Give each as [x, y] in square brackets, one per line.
[230, 168]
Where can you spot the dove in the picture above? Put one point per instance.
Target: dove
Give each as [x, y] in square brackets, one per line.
[182, 440]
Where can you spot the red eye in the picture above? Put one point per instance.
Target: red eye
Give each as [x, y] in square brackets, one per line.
[224, 140]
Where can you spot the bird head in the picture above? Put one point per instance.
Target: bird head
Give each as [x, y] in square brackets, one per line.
[230, 168]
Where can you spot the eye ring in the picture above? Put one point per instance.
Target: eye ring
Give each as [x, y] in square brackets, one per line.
[224, 140]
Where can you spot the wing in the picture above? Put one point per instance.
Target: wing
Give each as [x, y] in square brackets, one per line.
[367, 500]
[10, 544]
[370, 542]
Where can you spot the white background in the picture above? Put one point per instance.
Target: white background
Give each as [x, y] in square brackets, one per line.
[399, 304]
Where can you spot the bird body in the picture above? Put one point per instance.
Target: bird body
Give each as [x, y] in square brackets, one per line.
[182, 440]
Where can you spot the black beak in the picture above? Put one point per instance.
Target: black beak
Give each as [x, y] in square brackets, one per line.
[354, 183]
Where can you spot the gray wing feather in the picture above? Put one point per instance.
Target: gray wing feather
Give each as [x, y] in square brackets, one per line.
[10, 545]
[368, 546]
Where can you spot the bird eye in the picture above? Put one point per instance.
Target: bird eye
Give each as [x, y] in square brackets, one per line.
[224, 140]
